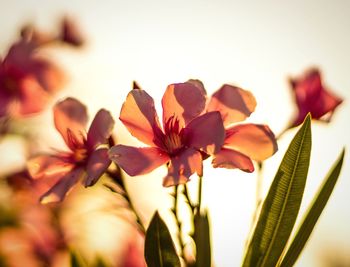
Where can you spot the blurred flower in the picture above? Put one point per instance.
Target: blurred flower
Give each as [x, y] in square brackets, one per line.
[34, 238]
[243, 142]
[26, 80]
[86, 159]
[312, 96]
[133, 256]
[184, 135]
[70, 33]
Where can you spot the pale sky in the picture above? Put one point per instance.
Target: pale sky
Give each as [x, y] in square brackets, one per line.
[253, 44]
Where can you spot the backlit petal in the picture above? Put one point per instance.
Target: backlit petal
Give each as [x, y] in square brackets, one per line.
[182, 166]
[184, 101]
[231, 159]
[46, 165]
[70, 114]
[137, 161]
[256, 141]
[234, 103]
[100, 129]
[96, 166]
[206, 132]
[62, 187]
[139, 115]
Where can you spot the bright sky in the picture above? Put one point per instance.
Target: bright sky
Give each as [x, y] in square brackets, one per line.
[253, 44]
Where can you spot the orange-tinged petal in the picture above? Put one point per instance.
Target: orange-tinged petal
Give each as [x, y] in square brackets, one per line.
[96, 166]
[137, 161]
[182, 166]
[32, 98]
[70, 114]
[231, 159]
[234, 103]
[58, 192]
[139, 115]
[46, 165]
[254, 140]
[100, 129]
[206, 132]
[183, 101]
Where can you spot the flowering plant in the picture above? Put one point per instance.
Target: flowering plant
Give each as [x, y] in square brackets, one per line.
[194, 128]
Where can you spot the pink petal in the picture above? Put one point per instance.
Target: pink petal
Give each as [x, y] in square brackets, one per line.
[137, 161]
[256, 141]
[199, 84]
[234, 103]
[231, 159]
[100, 129]
[96, 166]
[182, 166]
[308, 87]
[62, 187]
[139, 115]
[70, 114]
[183, 101]
[206, 132]
[32, 98]
[327, 104]
[46, 165]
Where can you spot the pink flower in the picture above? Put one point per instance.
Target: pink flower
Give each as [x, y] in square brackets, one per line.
[185, 133]
[312, 96]
[243, 142]
[26, 80]
[86, 159]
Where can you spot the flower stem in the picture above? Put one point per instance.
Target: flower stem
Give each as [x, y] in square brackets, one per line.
[178, 222]
[200, 185]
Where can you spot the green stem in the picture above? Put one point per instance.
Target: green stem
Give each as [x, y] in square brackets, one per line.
[178, 223]
[200, 185]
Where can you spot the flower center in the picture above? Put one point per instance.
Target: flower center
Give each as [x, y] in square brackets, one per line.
[80, 155]
[9, 85]
[172, 142]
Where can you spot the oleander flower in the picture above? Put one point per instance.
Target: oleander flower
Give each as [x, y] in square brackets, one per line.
[311, 95]
[186, 133]
[243, 142]
[87, 159]
[27, 79]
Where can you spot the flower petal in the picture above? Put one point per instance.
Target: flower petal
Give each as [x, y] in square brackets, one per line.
[231, 159]
[183, 101]
[254, 140]
[139, 115]
[96, 166]
[206, 132]
[70, 114]
[100, 129]
[62, 187]
[234, 103]
[182, 166]
[46, 165]
[137, 161]
[32, 97]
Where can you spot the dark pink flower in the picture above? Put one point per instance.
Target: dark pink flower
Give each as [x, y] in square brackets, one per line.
[184, 135]
[312, 96]
[243, 142]
[26, 80]
[86, 160]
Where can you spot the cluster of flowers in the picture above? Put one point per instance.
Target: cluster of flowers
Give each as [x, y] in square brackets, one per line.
[194, 126]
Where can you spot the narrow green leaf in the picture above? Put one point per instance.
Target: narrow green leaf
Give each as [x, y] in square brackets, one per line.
[317, 205]
[201, 237]
[281, 206]
[159, 247]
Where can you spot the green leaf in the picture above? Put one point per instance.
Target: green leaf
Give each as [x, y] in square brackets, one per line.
[281, 206]
[201, 237]
[317, 205]
[159, 247]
